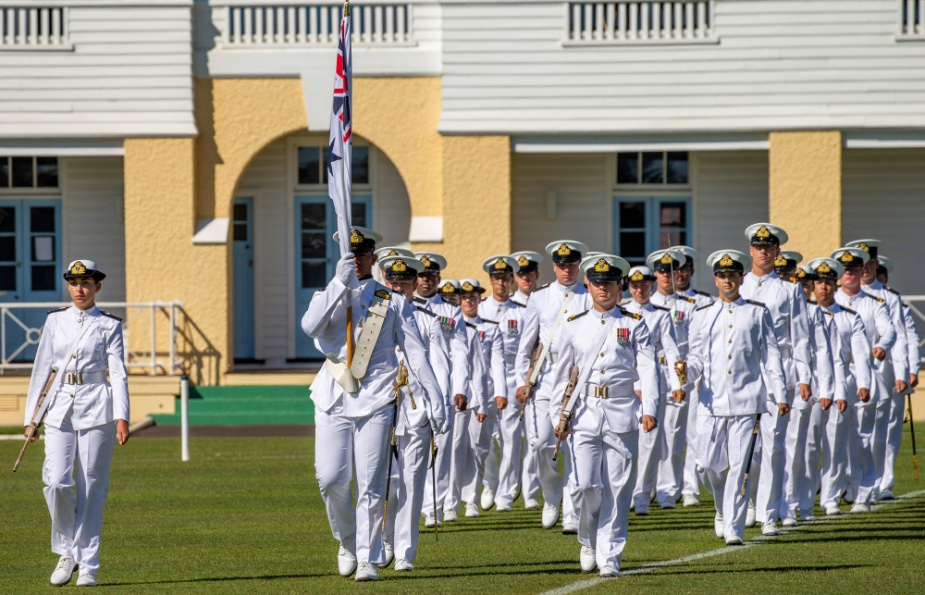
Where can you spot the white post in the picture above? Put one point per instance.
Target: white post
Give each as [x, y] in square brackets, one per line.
[184, 418]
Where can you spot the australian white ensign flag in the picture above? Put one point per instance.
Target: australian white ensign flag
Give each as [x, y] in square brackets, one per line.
[339, 149]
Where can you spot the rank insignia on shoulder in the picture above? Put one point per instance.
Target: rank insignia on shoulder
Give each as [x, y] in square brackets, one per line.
[891, 290]
[383, 294]
[663, 308]
[420, 300]
[756, 303]
[579, 315]
[541, 287]
[687, 299]
[489, 321]
[703, 293]
[849, 310]
[704, 307]
[61, 309]
[824, 311]
[879, 299]
[108, 315]
[633, 315]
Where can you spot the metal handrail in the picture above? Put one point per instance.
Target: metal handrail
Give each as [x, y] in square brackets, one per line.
[135, 359]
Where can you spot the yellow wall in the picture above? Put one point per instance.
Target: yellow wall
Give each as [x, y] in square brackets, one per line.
[805, 189]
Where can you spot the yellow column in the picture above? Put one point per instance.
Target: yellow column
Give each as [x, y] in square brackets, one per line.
[161, 262]
[805, 189]
[476, 202]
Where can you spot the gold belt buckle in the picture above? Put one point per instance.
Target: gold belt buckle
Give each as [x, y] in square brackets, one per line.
[601, 392]
[661, 359]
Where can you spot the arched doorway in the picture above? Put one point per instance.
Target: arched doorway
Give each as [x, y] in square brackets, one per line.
[283, 250]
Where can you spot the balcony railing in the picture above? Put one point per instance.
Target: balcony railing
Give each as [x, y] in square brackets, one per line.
[302, 24]
[911, 19]
[33, 28]
[640, 21]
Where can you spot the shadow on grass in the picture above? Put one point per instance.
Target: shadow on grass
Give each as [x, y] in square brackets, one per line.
[218, 579]
[680, 570]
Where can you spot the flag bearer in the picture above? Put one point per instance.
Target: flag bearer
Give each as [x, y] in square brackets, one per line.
[412, 428]
[613, 352]
[734, 354]
[838, 424]
[547, 310]
[662, 336]
[354, 405]
[890, 409]
[502, 480]
[87, 413]
[882, 335]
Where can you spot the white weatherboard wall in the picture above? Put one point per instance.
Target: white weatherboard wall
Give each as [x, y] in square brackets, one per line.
[127, 73]
[93, 218]
[778, 65]
[265, 181]
[883, 197]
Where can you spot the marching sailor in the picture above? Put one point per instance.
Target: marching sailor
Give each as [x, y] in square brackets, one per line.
[527, 275]
[882, 335]
[675, 475]
[354, 405]
[892, 406]
[547, 310]
[912, 334]
[788, 308]
[734, 354]
[87, 412]
[612, 350]
[683, 276]
[412, 430]
[852, 367]
[785, 265]
[662, 336]
[502, 479]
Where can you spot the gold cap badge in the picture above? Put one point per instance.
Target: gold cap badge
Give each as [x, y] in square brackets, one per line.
[392, 253]
[522, 261]
[780, 261]
[564, 250]
[500, 265]
[763, 232]
[637, 276]
[824, 268]
[666, 259]
[801, 274]
[399, 266]
[447, 288]
[847, 257]
[726, 261]
[78, 269]
[356, 237]
[467, 287]
[427, 262]
[864, 247]
[602, 266]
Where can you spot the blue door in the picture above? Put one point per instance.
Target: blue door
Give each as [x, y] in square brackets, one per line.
[317, 254]
[243, 238]
[30, 270]
[645, 224]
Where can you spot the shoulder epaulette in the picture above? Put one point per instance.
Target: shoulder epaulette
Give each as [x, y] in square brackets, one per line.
[879, 299]
[703, 293]
[518, 304]
[579, 315]
[849, 310]
[541, 287]
[824, 311]
[420, 300]
[756, 303]
[61, 309]
[906, 304]
[108, 315]
[633, 315]
[704, 307]
[471, 325]
[490, 321]
[891, 290]
[661, 308]
[687, 299]
[811, 302]
[483, 299]
[384, 294]
[426, 311]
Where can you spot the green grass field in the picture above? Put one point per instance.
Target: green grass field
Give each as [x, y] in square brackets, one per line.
[245, 516]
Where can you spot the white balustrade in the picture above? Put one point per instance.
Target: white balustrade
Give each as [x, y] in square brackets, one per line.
[33, 27]
[674, 21]
[912, 19]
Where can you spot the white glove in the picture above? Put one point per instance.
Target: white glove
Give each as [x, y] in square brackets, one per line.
[346, 271]
[439, 425]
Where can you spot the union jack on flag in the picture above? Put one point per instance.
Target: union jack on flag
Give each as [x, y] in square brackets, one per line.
[340, 147]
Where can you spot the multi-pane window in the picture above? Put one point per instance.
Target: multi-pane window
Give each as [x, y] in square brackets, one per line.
[659, 168]
[28, 172]
[645, 224]
[312, 167]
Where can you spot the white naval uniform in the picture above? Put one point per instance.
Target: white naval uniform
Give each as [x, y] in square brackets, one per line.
[352, 429]
[787, 305]
[677, 473]
[457, 343]
[530, 476]
[614, 353]
[503, 477]
[413, 431]
[803, 439]
[838, 431]
[481, 433]
[888, 425]
[80, 425]
[652, 444]
[544, 306]
[461, 447]
[880, 333]
[734, 355]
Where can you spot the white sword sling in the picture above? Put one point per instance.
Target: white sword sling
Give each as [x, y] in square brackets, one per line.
[349, 378]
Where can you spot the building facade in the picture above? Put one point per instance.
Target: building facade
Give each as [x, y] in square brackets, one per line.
[181, 145]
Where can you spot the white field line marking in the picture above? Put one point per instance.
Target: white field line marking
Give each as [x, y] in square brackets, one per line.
[760, 539]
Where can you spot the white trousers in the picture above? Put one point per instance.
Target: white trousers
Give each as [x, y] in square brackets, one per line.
[480, 438]
[530, 476]
[541, 436]
[77, 509]
[345, 445]
[443, 464]
[651, 447]
[603, 473]
[671, 463]
[835, 430]
[863, 477]
[885, 386]
[797, 476]
[692, 476]
[721, 452]
[511, 467]
[773, 458]
[459, 446]
[406, 491]
[893, 415]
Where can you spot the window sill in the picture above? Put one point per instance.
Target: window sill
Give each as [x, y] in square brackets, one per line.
[571, 43]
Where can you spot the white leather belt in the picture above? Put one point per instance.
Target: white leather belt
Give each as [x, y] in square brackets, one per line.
[78, 378]
[598, 391]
